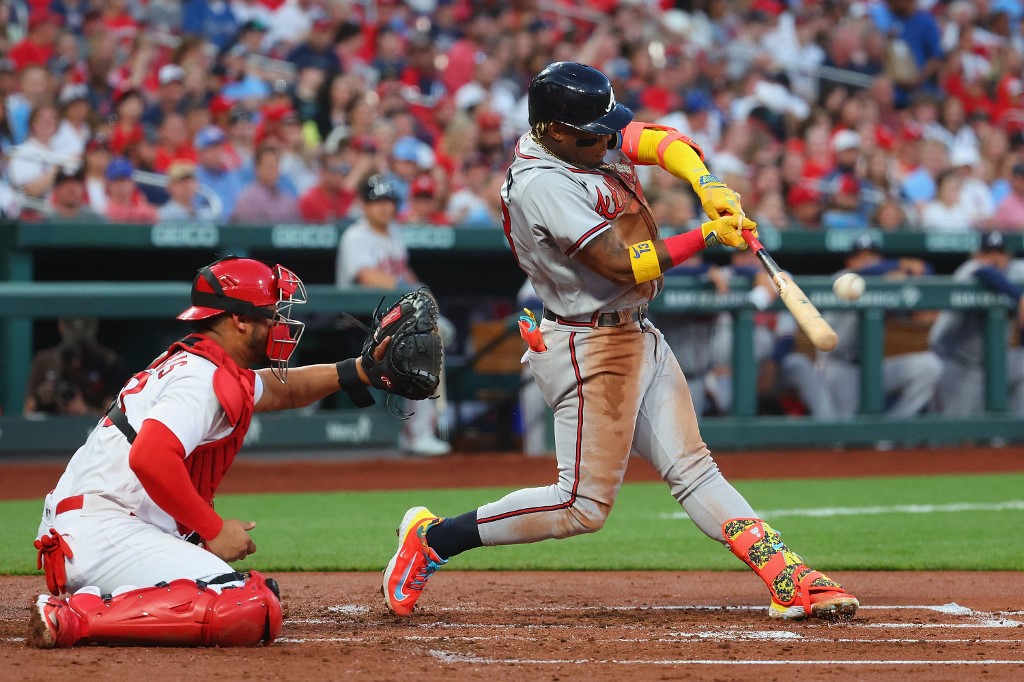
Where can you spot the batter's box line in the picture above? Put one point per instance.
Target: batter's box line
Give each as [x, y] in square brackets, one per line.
[452, 657]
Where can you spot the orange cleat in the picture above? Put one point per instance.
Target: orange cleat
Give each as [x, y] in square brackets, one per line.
[412, 565]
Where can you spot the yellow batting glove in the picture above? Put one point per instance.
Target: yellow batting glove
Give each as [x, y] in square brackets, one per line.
[716, 198]
[727, 230]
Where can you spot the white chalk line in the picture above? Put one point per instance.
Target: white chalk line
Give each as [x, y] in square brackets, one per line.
[452, 657]
[1010, 505]
[678, 638]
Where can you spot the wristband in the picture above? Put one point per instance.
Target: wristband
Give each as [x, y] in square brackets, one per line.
[682, 247]
[644, 260]
[349, 381]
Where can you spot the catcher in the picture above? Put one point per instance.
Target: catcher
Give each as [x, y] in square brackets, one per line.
[130, 530]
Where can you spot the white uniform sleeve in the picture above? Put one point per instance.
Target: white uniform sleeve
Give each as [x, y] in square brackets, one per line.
[564, 209]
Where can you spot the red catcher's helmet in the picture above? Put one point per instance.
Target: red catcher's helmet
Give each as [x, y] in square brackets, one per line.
[246, 286]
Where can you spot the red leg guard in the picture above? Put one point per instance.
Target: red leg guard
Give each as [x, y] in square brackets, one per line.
[181, 613]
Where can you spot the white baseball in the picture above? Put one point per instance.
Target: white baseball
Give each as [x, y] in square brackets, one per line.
[849, 287]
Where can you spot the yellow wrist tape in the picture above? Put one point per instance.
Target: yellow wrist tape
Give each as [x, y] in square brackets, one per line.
[644, 260]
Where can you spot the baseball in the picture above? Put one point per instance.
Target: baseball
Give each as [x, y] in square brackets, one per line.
[849, 287]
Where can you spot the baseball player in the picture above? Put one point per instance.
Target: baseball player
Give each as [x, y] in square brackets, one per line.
[582, 232]
[909, 379]
[958, 337]
[371, 253]
[130, 530]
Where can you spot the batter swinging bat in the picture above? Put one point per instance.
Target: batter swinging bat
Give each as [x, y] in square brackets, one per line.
[806, 314]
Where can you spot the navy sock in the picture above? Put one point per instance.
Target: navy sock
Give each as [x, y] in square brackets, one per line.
[454, 535]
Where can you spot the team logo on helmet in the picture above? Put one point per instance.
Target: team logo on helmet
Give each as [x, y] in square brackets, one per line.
[611, 100]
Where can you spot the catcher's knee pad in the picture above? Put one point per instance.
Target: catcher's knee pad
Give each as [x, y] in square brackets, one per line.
[184, 613]
[760, 546]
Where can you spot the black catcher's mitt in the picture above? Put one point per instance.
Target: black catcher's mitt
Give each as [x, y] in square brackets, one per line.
[411, 366]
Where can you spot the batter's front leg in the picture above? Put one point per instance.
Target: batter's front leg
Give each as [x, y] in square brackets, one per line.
[667, 436]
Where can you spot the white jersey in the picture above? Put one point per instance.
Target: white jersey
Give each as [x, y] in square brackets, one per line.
[553, 210]
[179, 394]
[361, 247]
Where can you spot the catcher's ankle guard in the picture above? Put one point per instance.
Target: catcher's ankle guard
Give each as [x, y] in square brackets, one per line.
[760, 546]
[348, 379]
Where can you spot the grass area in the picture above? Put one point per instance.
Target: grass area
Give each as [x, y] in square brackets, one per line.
[355, 531]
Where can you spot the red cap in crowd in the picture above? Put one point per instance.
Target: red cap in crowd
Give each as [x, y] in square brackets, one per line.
[801, 194]
[423, 186]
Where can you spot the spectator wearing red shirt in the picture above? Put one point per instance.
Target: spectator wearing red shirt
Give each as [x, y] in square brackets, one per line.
[127, 129]
[331, 199]
[173, 142]
[125, 204]
[38, 46]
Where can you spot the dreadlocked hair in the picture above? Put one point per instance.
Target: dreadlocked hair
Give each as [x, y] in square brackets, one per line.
[540, 129]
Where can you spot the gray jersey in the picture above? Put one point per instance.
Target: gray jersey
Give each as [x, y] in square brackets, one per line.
[960, 335]
[553, 210]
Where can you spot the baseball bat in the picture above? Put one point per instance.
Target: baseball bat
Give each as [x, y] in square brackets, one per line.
[804, 312]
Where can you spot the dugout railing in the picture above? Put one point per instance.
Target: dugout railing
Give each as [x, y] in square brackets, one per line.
[461, 262]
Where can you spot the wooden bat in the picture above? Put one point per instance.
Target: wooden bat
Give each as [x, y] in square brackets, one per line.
[806, 314]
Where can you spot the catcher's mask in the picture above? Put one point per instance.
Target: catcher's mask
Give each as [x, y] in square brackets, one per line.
[246, 286]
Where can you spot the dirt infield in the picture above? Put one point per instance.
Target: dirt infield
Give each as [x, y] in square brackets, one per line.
[566, 626]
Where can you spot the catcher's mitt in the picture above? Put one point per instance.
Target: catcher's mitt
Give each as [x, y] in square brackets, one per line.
[411, 366]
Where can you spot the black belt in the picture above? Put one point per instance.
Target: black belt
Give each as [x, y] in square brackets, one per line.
[614, 318]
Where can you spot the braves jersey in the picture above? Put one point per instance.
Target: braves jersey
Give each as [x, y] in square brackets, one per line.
[361, 247]
[552, 210]
[179, 394]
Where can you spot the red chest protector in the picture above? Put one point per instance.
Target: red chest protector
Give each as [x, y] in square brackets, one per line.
[234, 387]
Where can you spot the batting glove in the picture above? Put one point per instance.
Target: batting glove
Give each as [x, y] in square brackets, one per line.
[716, 198]
[726, 230]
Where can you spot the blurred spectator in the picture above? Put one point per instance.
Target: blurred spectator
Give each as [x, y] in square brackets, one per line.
[317, 50]
[184, 203]
[170, 98]
[253, 15]
[74, 129]
[212, 19]
[6, 136]
[264, 200]
[33, 92]
[331, 199]
[127, 128]
[958, 336]
[96, 159]
[890, 216]
[908, 379]
[241, 135]
[371, 253]
[914, 55]
[425, 205]
[33, 168]
[409, 157]
[37, 47]
[76, 377]
[298, 162]
[804, 208]
[172, 142]
[920, 186]
[975, 197]
[467, 206]
[290, 23]
[1010, 211]
[125, 203]
[68, 199]
[945, 213]
[213, 171]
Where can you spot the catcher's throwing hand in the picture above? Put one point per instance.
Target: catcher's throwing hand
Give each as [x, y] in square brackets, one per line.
[726, 230]
[233, 542]
[409, 364]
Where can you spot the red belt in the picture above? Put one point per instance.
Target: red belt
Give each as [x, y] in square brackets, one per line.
[70, 504]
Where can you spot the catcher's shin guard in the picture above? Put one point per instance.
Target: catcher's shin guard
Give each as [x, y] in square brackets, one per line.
[797, 591]
[179, 613]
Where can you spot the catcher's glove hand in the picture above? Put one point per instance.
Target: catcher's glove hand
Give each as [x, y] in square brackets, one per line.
[411, 366]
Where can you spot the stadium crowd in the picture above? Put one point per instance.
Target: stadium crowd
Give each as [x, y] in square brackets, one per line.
[823, 115]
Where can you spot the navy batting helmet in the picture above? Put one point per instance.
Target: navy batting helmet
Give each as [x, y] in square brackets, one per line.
[579, 96]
